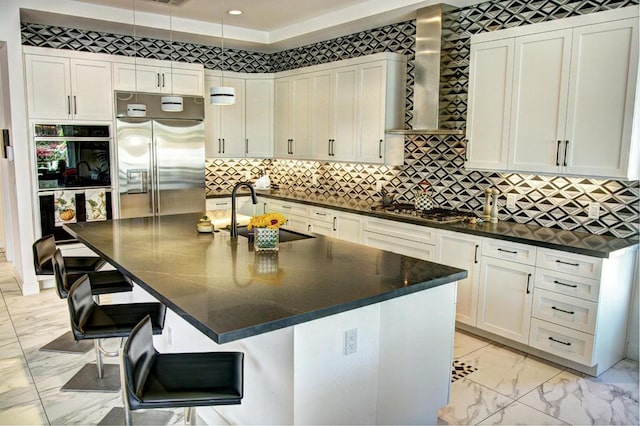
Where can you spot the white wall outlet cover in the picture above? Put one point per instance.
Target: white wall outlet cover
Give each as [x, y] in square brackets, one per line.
[351, 341]
[511, 201]
[379, 185]
[594, 211]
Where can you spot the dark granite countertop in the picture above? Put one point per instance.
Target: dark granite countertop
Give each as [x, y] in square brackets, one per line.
[228, 291]
[571, 241]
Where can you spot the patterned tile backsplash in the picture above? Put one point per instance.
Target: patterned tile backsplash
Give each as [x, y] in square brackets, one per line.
[553, 201]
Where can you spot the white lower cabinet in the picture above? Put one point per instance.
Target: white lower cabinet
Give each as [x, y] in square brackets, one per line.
[504, 303]
[402, 238]
[561, 341]
[462, 251]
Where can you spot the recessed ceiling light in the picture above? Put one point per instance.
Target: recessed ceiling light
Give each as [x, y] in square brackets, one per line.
[234, 12]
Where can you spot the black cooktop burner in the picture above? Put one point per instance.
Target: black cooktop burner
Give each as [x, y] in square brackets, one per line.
[437, 214]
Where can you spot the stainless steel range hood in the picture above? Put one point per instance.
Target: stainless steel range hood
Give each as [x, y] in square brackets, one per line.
[426, 92]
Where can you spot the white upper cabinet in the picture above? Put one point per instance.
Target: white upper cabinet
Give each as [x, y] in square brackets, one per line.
[244, 129]
[348, 107]
[489, 104]
[224, 124]
[68, 88]
[334, 114]
[292, 116]
[567, 99]
[152, 76]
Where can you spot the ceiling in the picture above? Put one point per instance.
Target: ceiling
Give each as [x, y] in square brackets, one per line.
[265, 25]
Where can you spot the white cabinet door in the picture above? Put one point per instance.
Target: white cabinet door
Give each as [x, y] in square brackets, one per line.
[136, 78]
[293, 109]
[344, 114]
[48, 87]
[505, 298]
[489, 104]
[321, 114]
[540, 91]
[604, 75]
[371, 114]
[181, 81]
[259, 118]
[462, 251]
[320, 227]
[224, 124]
[92, 98]
[347, 227]
[283, 118]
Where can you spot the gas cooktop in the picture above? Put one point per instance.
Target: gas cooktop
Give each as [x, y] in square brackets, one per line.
[439, 215]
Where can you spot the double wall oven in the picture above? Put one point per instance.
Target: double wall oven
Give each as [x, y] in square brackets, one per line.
[73, 168]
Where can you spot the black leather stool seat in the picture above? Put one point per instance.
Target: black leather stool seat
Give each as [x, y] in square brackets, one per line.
[92, 321]
[102, 282]
[155, 380]
[45, 247]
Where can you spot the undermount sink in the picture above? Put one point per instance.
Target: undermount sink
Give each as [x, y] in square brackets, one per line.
[284, 234]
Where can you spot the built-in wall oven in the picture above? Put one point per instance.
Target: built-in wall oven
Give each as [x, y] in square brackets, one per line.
[73, 168]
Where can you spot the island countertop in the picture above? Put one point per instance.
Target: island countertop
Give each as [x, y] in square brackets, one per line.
[228, 291]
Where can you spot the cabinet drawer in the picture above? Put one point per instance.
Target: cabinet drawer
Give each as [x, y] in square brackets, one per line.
[571, 285]
[289, 208]
[399, 245]
[218, 204]
[407, 231]
[570, 263]
[561, 341]
[565, 310]
[323, 215]
[507, 250]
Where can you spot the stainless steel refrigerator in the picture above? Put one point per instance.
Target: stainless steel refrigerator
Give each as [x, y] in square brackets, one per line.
[161, 160]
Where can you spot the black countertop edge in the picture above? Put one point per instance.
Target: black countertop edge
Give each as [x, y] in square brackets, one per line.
[602, 252]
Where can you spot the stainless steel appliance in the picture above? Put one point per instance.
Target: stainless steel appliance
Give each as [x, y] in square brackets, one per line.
[161, 166]
[438, 214]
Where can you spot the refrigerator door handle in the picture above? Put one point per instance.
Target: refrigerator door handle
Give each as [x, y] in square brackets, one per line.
[156, 178]
[153, 176]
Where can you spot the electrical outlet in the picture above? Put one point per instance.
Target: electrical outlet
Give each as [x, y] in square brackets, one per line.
[594, 211]
[351, 341]
[511, 201]
[169, 335]
[379, 185]
[314, 180]
[247, 175]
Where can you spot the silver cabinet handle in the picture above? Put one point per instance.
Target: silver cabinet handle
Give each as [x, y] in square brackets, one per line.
[69, 105]
[309, 228]
[508, 251]
[558, 153]
[528, 282]
[321, 214]
[335, 223]
[380, 149]
[162, 79]
[246, 146]
[219, 146]
[466, 149]
[264, 207]
[157, 79]
[223, 146]
[329, 147]
[286, 207]
[566, 145]
[475, 256]
[75, 105]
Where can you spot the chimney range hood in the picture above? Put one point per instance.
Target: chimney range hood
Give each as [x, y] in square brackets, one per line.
[426, 91]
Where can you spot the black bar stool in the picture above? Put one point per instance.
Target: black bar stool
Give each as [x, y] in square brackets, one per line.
[169, 380]
[91, 321]
[43, 251]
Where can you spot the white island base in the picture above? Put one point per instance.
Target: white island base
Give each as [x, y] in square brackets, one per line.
[399, 374]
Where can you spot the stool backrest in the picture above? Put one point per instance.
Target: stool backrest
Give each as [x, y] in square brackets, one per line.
[43, 250]
[138, 356]
[60, 274]
[81, 305]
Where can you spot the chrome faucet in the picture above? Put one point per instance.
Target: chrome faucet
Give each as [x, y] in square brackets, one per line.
[254, 200]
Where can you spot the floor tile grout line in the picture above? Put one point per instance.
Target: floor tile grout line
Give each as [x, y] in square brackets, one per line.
[24, 356]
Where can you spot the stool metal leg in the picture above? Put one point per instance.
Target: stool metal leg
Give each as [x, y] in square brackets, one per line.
[86, 380]
[190, 416]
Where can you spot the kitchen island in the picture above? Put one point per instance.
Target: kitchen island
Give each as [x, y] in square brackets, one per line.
[290, 313]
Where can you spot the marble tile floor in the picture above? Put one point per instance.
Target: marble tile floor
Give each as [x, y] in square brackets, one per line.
[506, 388]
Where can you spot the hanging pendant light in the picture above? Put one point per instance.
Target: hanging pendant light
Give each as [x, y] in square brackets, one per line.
[135, 109]
[171, 103]
[222, 95]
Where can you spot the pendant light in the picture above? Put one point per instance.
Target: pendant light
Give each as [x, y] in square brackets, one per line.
[222, 95]
[135, 109]
[171, 103]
